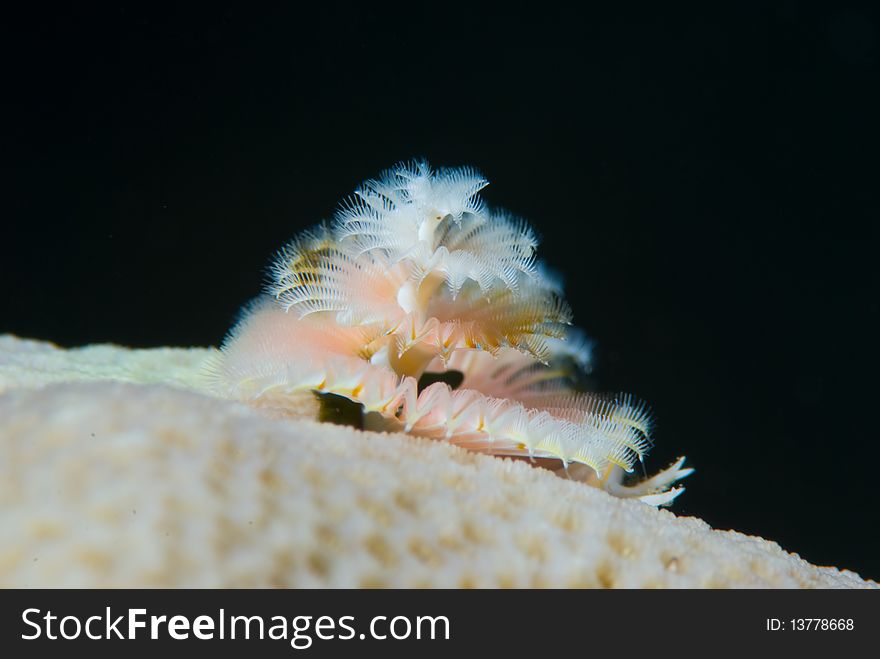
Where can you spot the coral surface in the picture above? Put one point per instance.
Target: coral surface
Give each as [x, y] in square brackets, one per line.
[117, 468]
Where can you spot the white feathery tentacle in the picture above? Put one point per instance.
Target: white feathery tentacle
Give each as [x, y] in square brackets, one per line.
[417, 276]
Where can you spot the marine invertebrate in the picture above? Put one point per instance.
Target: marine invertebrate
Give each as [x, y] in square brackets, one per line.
[417, 278]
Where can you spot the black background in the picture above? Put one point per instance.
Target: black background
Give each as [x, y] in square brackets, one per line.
[706, 183]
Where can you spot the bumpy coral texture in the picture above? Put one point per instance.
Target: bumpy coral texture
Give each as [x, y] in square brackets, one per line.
[125, 484]
[117, 469]
[417, 277]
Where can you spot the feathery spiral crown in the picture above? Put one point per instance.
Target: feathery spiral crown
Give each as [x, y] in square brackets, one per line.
[416, 276]
[417, 252]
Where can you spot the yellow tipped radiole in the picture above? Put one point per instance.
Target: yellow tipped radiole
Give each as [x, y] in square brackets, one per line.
[417, 277]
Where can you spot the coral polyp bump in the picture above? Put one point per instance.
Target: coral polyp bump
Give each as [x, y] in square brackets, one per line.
[417, 280]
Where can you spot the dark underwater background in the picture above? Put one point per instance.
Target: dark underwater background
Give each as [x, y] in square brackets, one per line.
[707, 184]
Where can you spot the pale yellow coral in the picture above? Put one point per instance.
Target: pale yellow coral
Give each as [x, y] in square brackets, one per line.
[128, 482]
